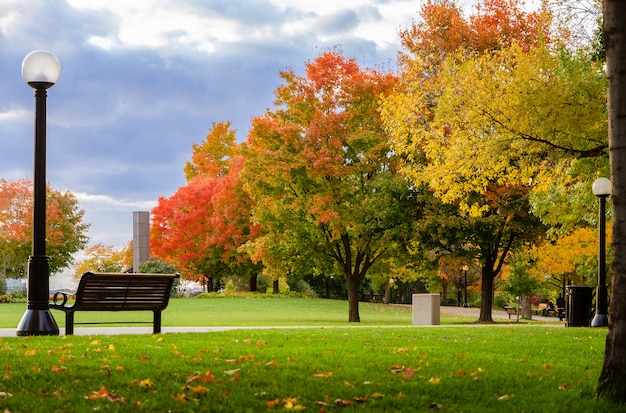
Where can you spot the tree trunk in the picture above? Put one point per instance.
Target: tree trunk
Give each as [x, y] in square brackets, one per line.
[612, 382]
[444, 292]
[209, 284]
[526, 306]
[353, 299]
[486, 297]
[275, 287]
[253, 285]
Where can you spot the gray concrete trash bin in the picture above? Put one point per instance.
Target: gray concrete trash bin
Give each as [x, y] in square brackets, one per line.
[426, 310]
[578, 306]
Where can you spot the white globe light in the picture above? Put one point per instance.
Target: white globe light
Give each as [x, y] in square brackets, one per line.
[41, 68]
[601, 187]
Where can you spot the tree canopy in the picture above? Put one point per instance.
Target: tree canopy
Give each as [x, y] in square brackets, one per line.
[65, 231]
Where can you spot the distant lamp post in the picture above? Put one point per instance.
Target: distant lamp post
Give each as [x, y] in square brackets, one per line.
[465, 268]
[41, 70]
[602, 189]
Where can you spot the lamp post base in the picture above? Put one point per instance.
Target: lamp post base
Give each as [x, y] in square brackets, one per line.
[37, 323]
[600, 320]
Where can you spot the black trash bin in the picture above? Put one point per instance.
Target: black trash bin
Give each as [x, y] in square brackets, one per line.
[578, 306]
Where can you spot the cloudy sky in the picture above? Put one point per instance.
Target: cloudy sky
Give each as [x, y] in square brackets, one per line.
[141, 80]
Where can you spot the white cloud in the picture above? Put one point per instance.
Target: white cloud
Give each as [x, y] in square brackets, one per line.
[106, 201]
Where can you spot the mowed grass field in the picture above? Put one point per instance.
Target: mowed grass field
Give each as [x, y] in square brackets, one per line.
[243, 311]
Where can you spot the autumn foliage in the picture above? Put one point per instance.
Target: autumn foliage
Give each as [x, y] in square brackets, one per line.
[65, 231]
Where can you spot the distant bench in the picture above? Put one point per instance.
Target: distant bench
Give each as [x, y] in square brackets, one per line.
[373, 298]
[117, 292]
[510, 311]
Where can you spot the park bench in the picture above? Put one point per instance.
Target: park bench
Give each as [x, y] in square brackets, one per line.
[373, 298]
[117, 292]
[510, 311]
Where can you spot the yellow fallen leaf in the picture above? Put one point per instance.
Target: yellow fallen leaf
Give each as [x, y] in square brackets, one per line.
[434, 380]
[146, 383]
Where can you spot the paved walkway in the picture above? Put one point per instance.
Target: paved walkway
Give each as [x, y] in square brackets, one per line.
[90, 331]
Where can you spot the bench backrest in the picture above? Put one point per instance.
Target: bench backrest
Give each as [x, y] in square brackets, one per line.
[113, 291]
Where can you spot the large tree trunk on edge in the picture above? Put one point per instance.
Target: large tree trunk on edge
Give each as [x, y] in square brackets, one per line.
[486, 297]
[612, 382]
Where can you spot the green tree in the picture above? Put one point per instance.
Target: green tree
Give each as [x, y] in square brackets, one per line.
[324, 179]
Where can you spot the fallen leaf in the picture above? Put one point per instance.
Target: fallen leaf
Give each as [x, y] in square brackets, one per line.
[564, 386]
[58, 369]
[348, 384]
[231, 372]
[323, 375]
[7, 372]
[342, 402]
[146, 383]
[434, 380]
[433, 405]
[103, 393]
[272, 403]
[546, 366]
[408, 373]
[271, 363]
[5, 394]
[396, 368]
[181, 398]
[199, 389]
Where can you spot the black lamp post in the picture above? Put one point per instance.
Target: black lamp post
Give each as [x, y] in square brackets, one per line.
[41, 70]
[602, 189]
[465, 268]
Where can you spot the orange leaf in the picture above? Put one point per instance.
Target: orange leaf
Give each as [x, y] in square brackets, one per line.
[199, 389]
[58, 369]
[323, 375]
[7, 372]
[272, 403]
[408, 373]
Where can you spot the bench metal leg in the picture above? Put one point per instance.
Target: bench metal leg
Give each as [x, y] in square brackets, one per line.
[69, 323]
[157, 322]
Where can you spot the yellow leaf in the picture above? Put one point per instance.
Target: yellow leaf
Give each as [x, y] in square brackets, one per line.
[146, 383]
[434, 380]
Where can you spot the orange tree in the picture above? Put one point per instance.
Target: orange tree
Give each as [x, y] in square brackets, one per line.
[201, 228]
[65, 231]
[324, 179]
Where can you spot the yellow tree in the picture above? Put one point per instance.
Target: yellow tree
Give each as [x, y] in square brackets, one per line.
[565, 259]
[104, 258]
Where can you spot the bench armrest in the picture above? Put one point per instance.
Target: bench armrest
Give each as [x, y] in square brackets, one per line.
[56, 297]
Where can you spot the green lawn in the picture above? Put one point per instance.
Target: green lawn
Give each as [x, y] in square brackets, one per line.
[503, 368]
[242, 312]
